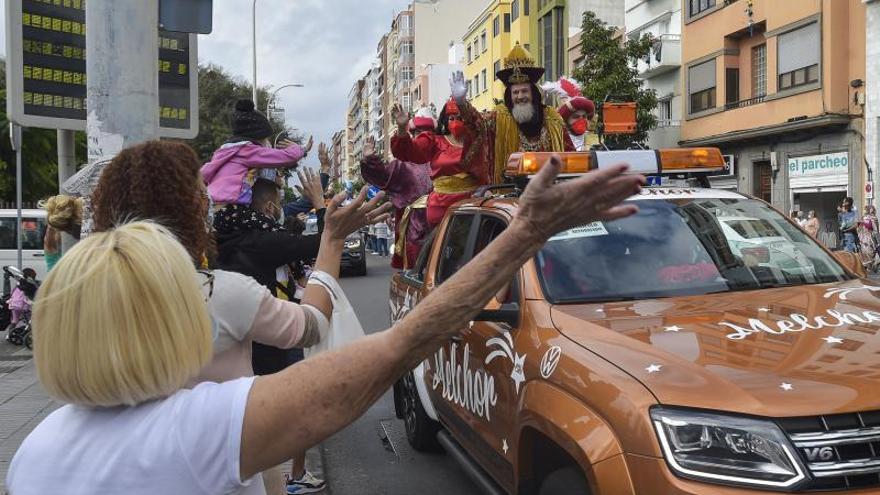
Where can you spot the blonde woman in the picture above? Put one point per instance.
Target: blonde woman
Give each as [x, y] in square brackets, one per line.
[121, 325]
[64, 213]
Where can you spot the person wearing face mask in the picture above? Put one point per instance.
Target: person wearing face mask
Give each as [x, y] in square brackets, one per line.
[575, 109]
[455, 173]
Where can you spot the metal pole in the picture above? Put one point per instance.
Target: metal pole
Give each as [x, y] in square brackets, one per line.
[66, 169]
[123, 84]
[254, 32]
[16, 130]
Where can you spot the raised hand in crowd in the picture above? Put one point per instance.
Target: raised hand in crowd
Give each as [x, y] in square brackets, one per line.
[369, 147]
[324, 158]
[310, 187]
[400, 117]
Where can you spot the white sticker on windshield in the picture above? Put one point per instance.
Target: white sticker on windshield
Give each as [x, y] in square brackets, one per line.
[594, 229]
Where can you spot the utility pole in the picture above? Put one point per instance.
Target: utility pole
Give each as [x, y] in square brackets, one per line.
[66, 169]
[122, 64]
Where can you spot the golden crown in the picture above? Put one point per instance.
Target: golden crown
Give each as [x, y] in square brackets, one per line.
[518, 57]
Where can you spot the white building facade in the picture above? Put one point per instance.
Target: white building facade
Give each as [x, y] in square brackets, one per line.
[662, 20]
[872, 94]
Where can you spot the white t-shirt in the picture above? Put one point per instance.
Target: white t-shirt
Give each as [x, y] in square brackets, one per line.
[189, 443]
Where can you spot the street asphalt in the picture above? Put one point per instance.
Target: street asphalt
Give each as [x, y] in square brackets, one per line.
[371, 456]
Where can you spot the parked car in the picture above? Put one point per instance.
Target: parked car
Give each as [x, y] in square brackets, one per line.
[354, 255]
[651, 355]
[32, 233]
[760, 238]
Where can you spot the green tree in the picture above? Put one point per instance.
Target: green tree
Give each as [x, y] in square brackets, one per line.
[218, 92]
[609, 72]
[39, 157]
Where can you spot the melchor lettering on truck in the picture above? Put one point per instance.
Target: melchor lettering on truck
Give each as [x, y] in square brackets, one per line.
[472, 390]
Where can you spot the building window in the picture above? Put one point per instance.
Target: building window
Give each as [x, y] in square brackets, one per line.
[476, 49]
[470, 90]
[546, 30]
[406, 48]
[664, 112]
[759, 71]
[506, 23]
[496, 27]
[483, 41]
[731, 86]
[561, 35]
[407, 74]
[696, 7]
[476, 85]
[485, 84]
[514, 10]
[497, 68]
[701, 86]
[525, 7]
[470, 53]
[798, 56]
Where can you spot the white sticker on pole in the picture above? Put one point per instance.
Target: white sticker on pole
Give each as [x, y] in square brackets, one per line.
[594, 229]
[639, 161]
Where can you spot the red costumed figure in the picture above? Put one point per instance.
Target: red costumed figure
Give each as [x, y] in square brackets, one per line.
[576, 110]
[454, 177]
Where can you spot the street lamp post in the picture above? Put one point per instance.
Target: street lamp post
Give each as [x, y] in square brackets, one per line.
[271, 100]
[254, 32]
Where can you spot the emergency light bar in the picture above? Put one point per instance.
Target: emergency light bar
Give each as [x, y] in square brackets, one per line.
[646, 162]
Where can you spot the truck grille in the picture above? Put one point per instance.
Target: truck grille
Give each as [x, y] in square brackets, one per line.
[841, 451]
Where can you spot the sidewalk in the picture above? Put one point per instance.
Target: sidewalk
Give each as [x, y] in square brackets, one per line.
[23, 403]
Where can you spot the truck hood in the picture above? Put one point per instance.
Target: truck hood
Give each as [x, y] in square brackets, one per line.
[794, 351]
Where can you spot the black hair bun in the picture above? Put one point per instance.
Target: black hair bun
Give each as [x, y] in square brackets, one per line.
[244, 106]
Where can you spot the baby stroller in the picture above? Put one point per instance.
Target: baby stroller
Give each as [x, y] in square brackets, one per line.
[18, 304]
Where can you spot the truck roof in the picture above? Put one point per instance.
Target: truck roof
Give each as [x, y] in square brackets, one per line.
[510, 203]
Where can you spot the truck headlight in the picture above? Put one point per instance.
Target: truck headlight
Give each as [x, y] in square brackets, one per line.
[353, 244]
[726, 449]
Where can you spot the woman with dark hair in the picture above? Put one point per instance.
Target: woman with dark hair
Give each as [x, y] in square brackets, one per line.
[456, 174]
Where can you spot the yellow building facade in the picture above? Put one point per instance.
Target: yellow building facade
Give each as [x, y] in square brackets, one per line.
[489, 38]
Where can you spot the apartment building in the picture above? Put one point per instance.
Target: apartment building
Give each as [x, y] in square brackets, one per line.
[872, 91]
[356, 127]
[488, 39]
[337, 151]
[398, 55]
[660, 19]
[779, 87]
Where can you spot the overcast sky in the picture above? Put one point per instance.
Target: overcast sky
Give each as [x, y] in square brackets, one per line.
[325, 45]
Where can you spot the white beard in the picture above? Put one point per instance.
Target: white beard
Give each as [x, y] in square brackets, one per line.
[523, 112]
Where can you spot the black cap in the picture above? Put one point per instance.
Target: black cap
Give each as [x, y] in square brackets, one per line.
[249, 122]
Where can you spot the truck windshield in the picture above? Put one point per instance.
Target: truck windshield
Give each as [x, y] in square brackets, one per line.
[677, 247]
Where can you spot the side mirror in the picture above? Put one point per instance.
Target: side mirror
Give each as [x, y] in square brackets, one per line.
[852, 262]
[507, 313]
[504, 307]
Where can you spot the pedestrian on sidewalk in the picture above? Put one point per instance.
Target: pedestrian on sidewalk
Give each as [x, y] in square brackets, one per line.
[383, 233]
[121, 325]
[812, 225]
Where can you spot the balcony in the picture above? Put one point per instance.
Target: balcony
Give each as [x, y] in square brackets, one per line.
[745, 103]
[665, 57]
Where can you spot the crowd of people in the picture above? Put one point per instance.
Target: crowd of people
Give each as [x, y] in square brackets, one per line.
[172, 332]
[854, 233]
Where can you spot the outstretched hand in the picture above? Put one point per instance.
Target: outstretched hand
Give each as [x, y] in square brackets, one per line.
[547, 207]
[340, 221]
[311, 187]
[458, 86]
[308, 147]
[369, 147]
[324, 158]
[400, 117]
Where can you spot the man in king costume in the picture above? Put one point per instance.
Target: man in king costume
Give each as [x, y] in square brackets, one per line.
[522, 122]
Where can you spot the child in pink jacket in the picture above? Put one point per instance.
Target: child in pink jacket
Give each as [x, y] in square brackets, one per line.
[237, 164]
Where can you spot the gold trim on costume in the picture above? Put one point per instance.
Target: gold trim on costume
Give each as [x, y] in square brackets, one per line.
[455, 184]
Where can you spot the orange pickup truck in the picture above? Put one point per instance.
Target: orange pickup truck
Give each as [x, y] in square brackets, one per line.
[706, 345]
